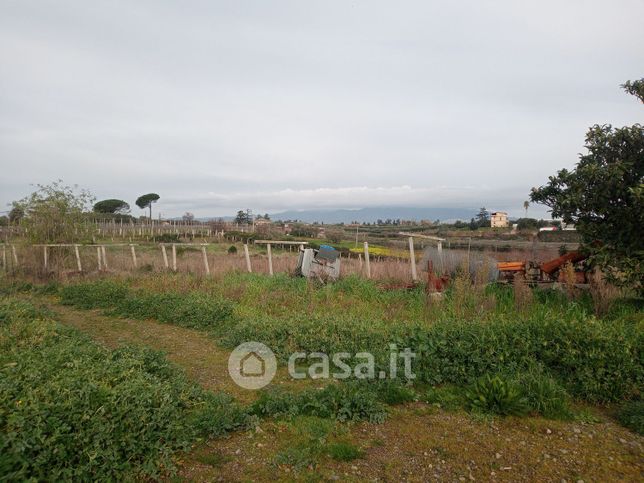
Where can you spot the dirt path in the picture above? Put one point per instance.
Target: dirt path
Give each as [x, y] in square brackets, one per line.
[201, 357]
[417, 443]
[421, 443]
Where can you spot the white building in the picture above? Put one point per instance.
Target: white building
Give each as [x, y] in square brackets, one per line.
[499, 219]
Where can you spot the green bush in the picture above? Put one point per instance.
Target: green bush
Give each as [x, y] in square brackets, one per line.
[595, 360]
[94, 295]
[8, 286]
[631, 416]
[194, 310]
[168, 238]
[497, 395]
[316, 333]
[217, 414]
[539, 393]
[544, 395]
[347, 401]
[72, 410]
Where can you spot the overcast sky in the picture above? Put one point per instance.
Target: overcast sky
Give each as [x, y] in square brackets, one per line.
[224, 105]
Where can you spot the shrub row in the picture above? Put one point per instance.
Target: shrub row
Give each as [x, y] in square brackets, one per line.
[194, 310]
[595, 360]
[348, 401]
[73, 410]
[531, 392]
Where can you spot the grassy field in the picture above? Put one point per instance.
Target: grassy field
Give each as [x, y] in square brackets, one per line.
[512, 384]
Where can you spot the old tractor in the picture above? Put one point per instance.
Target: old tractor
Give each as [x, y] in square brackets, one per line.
[547, 272]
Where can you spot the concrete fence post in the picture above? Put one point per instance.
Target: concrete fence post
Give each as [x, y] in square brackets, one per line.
[412, 256]
[247, 256]
[366, 259]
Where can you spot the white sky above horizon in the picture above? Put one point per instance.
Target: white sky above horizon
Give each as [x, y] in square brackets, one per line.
[283, 105]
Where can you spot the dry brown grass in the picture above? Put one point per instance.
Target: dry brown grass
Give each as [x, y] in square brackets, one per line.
[569, 280]
[469, 296]
[602, 293]
[62, 262]
[523, 296]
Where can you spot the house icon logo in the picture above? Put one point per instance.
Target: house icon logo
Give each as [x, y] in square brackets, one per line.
[252, 365]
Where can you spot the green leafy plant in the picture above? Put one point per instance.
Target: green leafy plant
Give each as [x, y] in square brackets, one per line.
[168, 238]
[544, 395]
[496, 395]
[631, 415]
[55, 213]
[71, 409]
[344, 402]
[194, 310]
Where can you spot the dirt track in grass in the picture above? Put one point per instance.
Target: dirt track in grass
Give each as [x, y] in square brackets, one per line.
[417, 443]
[204, 361]
[422, 443]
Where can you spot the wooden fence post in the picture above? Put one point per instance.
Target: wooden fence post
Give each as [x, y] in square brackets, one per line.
[412, 256]
[270, 259]
[165, 257]
[133, 250]
[247, 255]
[440, 257]
[98, 257]
[104, 257]
[205, 259]
[4, 257]
[366, 259]
[174, 257]
[78, 259]
[45, 257]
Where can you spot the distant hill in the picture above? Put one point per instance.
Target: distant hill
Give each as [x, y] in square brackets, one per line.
[370, 215]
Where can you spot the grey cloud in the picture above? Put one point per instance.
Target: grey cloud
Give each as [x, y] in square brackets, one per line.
[289, 104]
